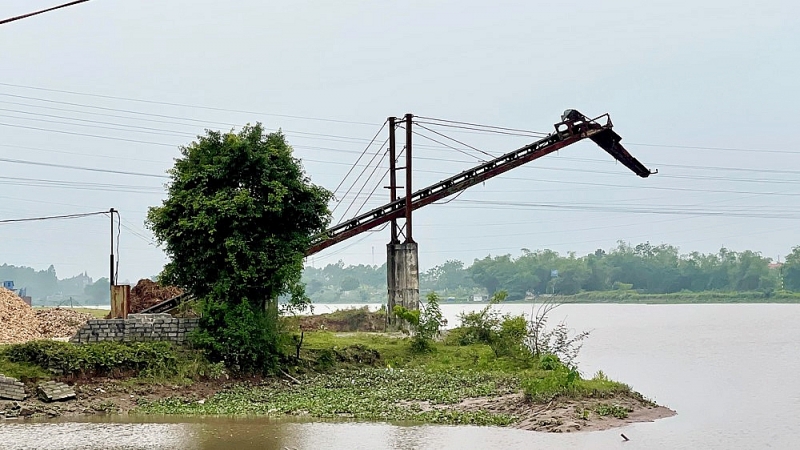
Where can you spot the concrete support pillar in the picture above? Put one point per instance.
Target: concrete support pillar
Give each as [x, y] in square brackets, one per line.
[402, 276]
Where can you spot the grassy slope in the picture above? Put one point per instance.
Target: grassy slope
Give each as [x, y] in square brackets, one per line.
[399, 386]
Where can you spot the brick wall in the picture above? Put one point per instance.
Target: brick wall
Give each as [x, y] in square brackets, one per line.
[137, 328]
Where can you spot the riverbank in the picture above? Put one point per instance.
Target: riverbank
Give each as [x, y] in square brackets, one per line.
[628, 297]
[358, 376]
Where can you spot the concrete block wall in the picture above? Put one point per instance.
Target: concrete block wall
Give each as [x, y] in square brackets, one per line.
[137, 328]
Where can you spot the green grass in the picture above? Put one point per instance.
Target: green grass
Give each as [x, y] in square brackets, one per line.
[155, 361]
[22, 371]
[396, 384]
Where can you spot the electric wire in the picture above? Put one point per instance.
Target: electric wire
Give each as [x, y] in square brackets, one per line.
[58, 217]
[42, 11]
[184, 105]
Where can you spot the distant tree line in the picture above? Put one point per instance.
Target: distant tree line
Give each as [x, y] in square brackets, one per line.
[645, 268]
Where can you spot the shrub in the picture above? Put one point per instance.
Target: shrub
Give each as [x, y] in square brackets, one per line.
[426, 323]
[558, 341]
[604, 409]
[245, 340]
[554, 383]
[99, 359]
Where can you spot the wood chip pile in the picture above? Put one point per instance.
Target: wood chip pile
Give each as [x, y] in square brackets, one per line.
[21, 323]
[148, 293]
[60, 322]
[18, 322]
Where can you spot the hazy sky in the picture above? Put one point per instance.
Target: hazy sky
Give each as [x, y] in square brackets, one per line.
[706, 92]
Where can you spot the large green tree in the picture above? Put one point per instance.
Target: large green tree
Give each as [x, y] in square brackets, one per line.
[791, 271]
[239, 215]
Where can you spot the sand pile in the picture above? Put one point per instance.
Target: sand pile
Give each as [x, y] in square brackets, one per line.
[18, 322]
[147, 293]
[59, 322]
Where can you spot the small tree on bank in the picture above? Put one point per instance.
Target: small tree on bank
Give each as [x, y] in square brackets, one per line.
[239, 215]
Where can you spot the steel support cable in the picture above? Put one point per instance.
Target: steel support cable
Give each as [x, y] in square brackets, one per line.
[358, 178]
[360, 156]
[354, 243]
[380, 181]
[479, 130]
[482, 125]
[457, 141]
[353, 202]
[42, 11]
[463, 152]
[59, 217]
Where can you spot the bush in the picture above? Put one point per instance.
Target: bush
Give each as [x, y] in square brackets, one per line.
[245, 340]
[426, 323]
[560, 381]
[505, 334]
[99, 359]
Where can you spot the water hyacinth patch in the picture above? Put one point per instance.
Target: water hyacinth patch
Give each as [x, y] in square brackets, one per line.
[366, 394]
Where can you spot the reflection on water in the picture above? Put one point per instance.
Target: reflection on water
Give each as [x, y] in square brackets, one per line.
[728, 370]
[265, 434]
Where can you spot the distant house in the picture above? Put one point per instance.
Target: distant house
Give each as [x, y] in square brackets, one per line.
[775, 265]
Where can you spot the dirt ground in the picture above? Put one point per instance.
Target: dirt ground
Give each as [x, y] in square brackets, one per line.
[104, 396]
[562, 416]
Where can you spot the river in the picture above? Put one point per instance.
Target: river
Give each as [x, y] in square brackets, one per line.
[728, 370]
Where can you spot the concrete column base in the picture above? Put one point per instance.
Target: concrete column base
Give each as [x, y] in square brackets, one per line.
[402, 276]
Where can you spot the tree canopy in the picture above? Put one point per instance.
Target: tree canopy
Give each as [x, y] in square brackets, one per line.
[238, 218]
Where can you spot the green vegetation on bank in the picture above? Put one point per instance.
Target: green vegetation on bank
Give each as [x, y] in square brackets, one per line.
[426, 377]
[340, 377]
[148, 361]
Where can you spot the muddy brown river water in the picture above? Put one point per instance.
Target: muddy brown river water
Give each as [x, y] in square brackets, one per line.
[728, 370]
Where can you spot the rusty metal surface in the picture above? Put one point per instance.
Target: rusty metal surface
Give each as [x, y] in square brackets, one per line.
[575, 128]
[120, 301]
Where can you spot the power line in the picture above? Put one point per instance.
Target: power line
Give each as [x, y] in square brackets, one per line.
[25, 16]
[184, 105]
[88, 169]
[65, 216]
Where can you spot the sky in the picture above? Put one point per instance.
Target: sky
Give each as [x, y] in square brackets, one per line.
[705, 92]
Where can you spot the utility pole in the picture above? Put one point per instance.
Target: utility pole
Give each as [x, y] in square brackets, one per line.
[111, 280]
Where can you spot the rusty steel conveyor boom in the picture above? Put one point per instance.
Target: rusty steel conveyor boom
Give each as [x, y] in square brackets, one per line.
[573, 127]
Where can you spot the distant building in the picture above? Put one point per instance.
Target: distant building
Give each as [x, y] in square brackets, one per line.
[775, 265]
